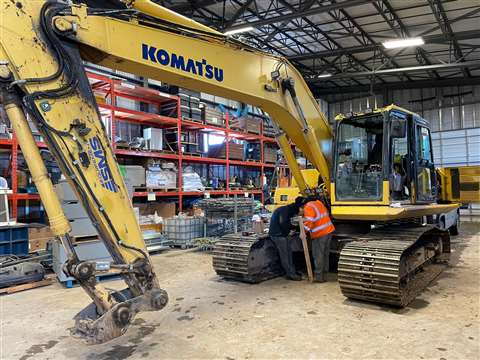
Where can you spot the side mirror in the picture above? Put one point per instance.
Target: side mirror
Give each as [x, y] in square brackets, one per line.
[398, 127]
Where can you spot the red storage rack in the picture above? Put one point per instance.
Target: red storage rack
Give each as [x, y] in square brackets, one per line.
[113, 88]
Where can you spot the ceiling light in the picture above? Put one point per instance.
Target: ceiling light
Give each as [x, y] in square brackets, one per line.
[239, 30]
[401, 43]
[325, 75]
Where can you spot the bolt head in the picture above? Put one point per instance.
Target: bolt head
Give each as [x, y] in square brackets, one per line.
[45, 106]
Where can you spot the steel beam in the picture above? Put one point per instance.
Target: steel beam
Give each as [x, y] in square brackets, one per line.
[193, 5]
[297, 14]
[429, 39]
[367, 89]
[396, 24]
[442, 19]
[456, 65]
[238, 14]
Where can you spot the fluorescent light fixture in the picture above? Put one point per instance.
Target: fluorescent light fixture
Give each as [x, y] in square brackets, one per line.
[239, 30]
[402, 43]
[325, 75]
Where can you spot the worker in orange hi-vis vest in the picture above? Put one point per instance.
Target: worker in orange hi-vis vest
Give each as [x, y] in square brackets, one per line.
[319, 227]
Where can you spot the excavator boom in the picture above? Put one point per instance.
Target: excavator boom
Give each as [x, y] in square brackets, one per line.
[42, 46]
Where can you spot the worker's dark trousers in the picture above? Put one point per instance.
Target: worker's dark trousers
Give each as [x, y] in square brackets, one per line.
[321, 257]
[285, 253]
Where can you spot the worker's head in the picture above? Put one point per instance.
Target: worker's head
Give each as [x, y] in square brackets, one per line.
[298, 205]
[396, 167]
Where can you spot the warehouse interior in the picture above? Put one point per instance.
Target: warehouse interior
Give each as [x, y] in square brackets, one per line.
[240, 179]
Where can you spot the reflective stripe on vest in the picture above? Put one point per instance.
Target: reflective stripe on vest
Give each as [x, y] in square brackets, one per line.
[317, 220]
[318, 228]
[318, 217]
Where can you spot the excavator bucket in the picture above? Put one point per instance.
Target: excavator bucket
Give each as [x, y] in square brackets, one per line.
[96, 329]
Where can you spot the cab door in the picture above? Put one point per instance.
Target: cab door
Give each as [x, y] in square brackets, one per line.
[424, 167]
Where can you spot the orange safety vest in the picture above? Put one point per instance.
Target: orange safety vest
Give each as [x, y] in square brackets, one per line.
[317, 220]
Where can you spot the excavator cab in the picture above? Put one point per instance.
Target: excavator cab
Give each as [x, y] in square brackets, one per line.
[383, 157]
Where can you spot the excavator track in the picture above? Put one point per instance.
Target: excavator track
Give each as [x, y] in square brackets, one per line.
[392, 265]
[247, 258]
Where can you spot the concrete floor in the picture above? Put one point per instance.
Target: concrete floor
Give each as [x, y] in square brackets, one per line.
[211, 318]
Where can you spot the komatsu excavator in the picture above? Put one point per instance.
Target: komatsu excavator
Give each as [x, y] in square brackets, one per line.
[42, 48]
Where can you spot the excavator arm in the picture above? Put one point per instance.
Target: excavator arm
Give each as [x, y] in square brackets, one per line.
[42, 46]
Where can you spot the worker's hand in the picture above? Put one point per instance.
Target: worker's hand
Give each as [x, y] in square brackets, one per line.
[295, 221]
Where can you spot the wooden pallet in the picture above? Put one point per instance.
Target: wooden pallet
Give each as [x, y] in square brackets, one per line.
[150, 190]
[245, 131]
[17, 288]
[213, 123]
[192, 120]
[102, 277]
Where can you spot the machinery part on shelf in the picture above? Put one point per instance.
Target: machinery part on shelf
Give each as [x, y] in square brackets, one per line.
[392, 265]
[246, 258]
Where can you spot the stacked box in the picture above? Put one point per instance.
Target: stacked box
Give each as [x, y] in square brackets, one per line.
[196, 114]
[236, 151]
[184, 99]
[184, 112]
[165, 179]
[213, 116]
[269, 154]
[247, 123]
[195, 111]
[39, 236]
[194, 102]
[169, 110]
[268, 129]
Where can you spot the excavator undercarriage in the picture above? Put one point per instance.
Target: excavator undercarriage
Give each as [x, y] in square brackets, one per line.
[392, 264]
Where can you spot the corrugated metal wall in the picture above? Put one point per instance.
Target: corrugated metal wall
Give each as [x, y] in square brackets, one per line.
[453, 113]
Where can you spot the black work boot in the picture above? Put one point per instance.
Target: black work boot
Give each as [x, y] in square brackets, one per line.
[320, 277]
[294, 277]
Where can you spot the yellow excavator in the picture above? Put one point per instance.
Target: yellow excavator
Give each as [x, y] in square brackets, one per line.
[43, 45]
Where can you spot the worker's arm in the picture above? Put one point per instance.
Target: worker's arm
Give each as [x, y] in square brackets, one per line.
[42, 45]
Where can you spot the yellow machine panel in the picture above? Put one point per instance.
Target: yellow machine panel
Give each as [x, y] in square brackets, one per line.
[460, 184]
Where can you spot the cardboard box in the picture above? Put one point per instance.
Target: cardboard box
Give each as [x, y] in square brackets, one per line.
[38, 237]
[270, 155]
[236, 151]
[247, 123]
[164, 209]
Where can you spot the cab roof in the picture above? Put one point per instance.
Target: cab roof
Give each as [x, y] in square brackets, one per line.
[388, 108]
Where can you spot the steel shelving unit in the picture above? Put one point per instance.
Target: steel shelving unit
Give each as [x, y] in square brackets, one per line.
[113, 88]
